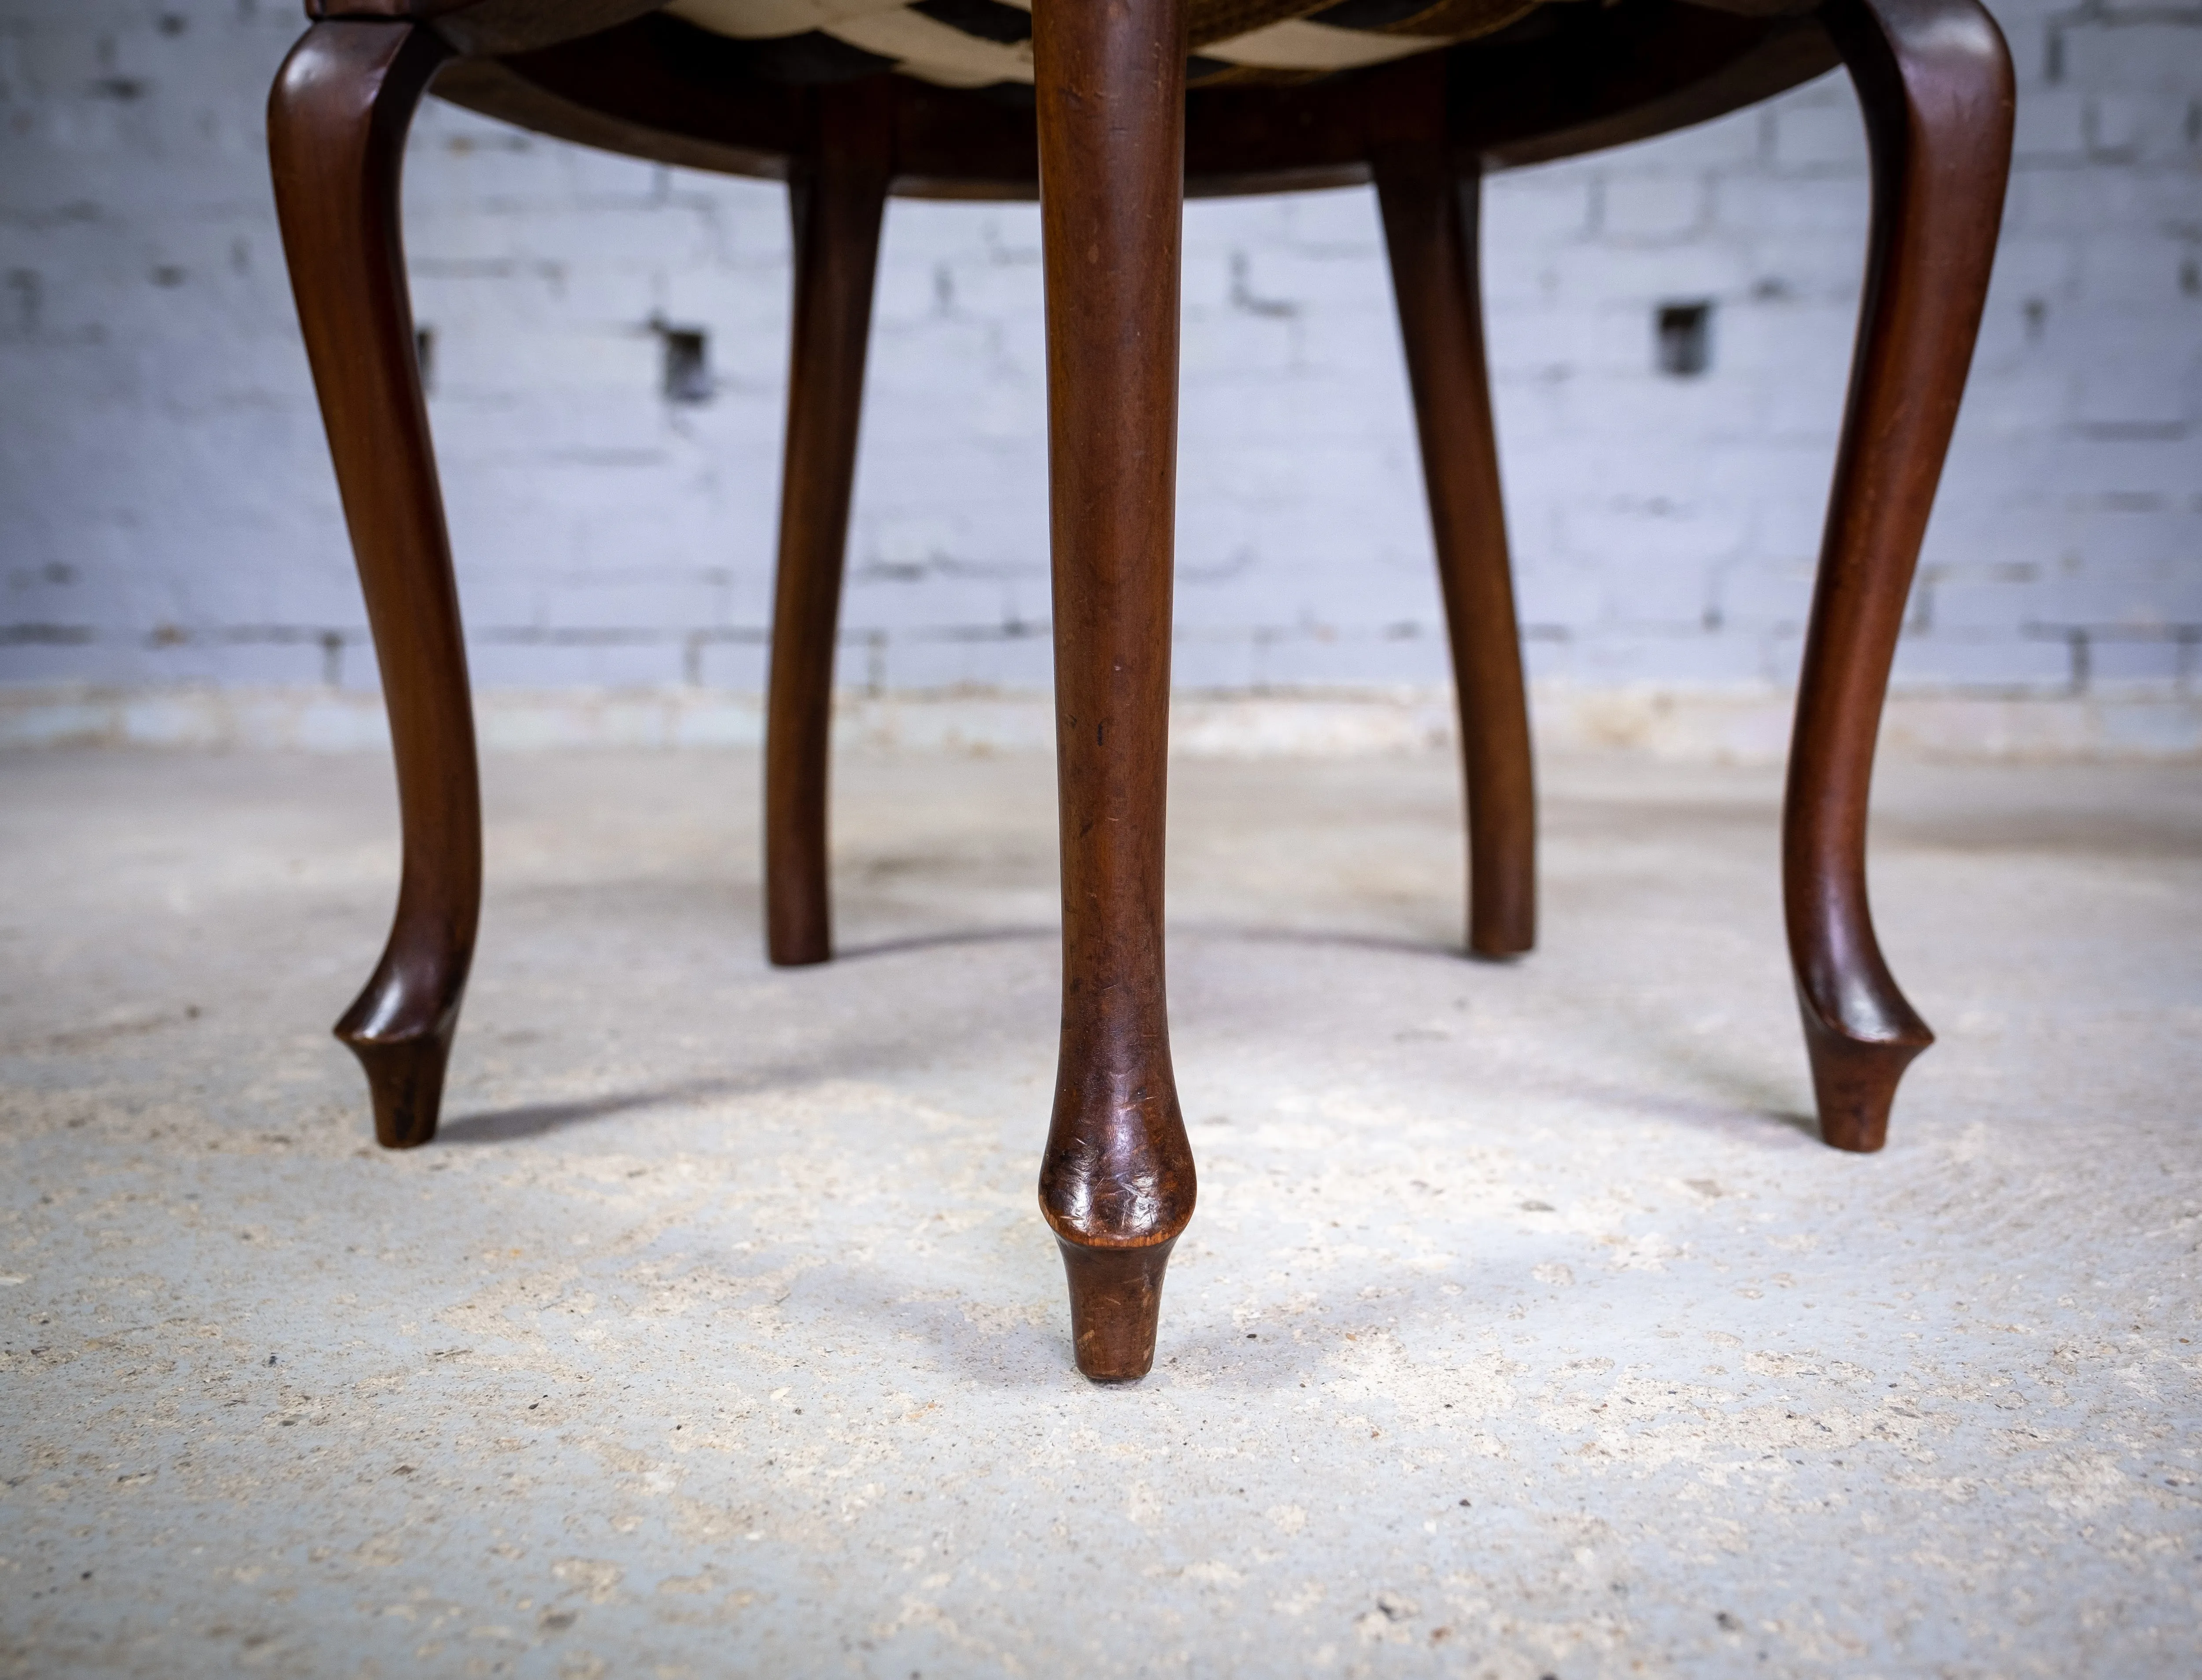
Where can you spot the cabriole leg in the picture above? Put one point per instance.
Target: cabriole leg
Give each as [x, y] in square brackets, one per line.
[336, 124]
[1116, 1184]
[1935, 82]
[838, 197]
[1430, 205]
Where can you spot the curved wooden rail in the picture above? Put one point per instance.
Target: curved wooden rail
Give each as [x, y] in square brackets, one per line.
[1583, 77]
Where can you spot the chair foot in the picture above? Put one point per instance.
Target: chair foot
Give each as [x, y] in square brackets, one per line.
[1854, 1080]
[798, 950]
[404, 1079]
[1116, 1304]
[402, 1027]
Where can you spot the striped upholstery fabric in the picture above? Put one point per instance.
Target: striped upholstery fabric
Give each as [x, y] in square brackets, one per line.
[986, 42]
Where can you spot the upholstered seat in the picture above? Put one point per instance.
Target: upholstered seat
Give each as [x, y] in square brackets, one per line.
[986, 43]
[1281, 94]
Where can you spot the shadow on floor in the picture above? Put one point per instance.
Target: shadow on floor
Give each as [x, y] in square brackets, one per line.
[1389, 945]
[918, 942]
[504, 1125]
[1735, 1097]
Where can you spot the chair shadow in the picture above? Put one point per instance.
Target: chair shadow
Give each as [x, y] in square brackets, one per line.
[921, 942]
[1727, 1094]
[1384, 945]
[1723, 1101]
[1743, 1094]
[1742, 1097]
[1387, 945]
[506, 1125]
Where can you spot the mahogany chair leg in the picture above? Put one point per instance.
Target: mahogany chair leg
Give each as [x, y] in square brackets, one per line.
[1430, 210]
[1935, 81]
[336, 122]
[838, 198]
[1116, 1183]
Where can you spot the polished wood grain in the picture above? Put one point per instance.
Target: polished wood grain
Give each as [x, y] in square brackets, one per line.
[1935, 81]
[1116, 1182]
[1430, 205]
[838, 194]
[1591, 77]
[336, 131]
[1111, 145]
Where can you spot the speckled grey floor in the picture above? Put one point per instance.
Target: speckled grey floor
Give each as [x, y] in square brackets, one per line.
[1524, 1329]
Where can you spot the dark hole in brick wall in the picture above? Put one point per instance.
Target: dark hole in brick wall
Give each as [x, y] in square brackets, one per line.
[687, 364]
[27, 293]
[1684, 339]
[424, 355]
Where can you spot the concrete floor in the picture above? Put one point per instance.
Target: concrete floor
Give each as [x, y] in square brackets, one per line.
[1525, 1328]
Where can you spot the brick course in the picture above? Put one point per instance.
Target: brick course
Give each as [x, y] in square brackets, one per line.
[167, 512]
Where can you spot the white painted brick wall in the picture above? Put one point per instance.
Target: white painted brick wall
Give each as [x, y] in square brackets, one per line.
[167, 512]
